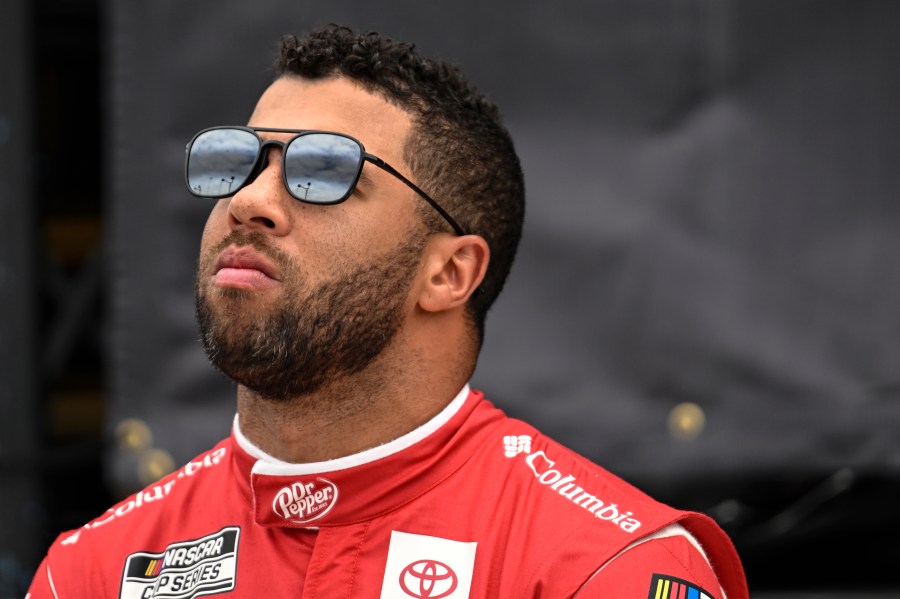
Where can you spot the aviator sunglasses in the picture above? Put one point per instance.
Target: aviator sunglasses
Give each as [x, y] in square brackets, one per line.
[318, 167]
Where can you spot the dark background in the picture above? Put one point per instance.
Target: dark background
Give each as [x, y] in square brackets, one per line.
[712, 230]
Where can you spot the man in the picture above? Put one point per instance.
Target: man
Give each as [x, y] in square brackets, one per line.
[366, 220]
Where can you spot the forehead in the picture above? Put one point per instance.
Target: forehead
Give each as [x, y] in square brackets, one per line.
[335, 104]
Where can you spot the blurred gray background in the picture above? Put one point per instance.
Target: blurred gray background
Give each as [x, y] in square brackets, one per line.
[705, 301]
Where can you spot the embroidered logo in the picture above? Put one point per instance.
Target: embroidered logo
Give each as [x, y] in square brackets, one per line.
[513, 445]
[425, 567]
[304, 502]
[428, 579]
[566, 485]
[669, 587]
[205, 566]
[149, 495]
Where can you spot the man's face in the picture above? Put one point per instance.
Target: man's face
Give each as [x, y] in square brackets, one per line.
[292, 296]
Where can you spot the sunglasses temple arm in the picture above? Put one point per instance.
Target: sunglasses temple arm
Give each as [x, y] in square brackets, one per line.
[387, 167]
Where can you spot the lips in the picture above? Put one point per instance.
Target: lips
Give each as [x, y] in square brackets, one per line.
[244, 268]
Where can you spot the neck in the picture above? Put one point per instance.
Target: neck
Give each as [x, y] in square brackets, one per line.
[350, 415]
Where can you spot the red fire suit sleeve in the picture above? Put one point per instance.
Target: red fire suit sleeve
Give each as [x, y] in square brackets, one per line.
[42, 585]
[662, 568]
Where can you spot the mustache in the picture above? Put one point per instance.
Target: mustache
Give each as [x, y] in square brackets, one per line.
[256, 240]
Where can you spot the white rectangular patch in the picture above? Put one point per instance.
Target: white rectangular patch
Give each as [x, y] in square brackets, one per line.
[186, 569]
[424, 567]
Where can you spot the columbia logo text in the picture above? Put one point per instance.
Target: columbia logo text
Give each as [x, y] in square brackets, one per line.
[150, 494]
[567, 486]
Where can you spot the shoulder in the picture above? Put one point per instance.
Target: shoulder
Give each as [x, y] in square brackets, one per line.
[588, 519]
[568, 485]
[560, 515]
[670, 563]
[86, 559]
[163, 496]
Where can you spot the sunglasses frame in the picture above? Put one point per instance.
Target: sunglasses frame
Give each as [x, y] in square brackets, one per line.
[261, 162]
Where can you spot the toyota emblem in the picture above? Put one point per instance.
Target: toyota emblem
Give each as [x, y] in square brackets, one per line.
[428, 579]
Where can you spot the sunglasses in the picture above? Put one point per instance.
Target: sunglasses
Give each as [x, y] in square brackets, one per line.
[318, 167]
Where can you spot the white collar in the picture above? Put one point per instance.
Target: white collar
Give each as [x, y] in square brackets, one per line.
[268, 464]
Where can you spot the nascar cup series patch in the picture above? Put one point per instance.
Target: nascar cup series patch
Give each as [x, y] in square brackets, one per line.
[669, 587]
[205, 566]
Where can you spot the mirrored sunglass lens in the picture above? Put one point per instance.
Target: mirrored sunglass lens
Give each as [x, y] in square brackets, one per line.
[321, 168]
[220, 160]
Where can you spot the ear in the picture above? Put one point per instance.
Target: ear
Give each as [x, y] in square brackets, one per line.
[454, 268]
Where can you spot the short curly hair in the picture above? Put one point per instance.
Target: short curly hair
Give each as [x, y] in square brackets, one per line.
[459, 151]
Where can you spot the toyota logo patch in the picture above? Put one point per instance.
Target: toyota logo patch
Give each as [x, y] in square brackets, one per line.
[428, 579]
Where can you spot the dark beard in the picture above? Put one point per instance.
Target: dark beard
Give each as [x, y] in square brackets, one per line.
[317, 335]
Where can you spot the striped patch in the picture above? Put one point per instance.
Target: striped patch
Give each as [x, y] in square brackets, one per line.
[669, 587]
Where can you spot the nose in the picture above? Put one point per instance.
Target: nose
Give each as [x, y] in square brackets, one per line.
[263, 204]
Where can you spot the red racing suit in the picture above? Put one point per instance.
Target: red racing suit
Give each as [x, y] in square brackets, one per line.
[472, 504]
